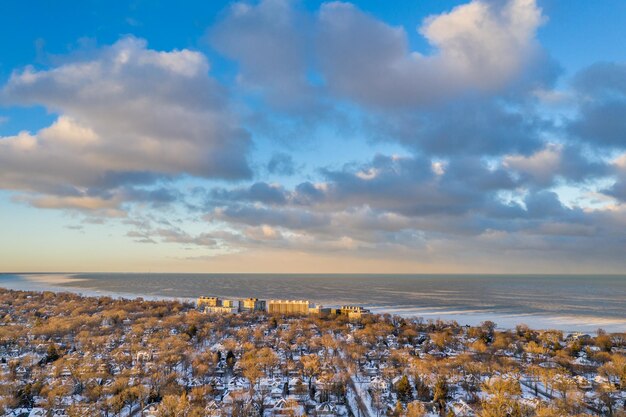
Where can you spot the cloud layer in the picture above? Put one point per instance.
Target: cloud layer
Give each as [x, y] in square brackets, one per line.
[490, 169]
[127, 115]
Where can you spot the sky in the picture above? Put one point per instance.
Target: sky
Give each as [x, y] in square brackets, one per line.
[421, 136]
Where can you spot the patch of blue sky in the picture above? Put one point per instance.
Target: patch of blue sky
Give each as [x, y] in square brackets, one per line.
[14, 120]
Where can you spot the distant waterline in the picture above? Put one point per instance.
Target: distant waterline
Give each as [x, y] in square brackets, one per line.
[567, 302]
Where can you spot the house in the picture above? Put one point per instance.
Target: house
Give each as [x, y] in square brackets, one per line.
[144, 356]
[461, 409]
[213, 409]
[370, 370]
[583, 383]
[298, 387]
[377, 383]
[238, 384]
[326, 409]
[284, 407]
[149, 411]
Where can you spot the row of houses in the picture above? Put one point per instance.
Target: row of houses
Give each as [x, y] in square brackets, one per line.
[297, 307]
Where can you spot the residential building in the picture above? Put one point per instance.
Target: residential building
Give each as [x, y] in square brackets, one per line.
[288, 306]
[217, 305]
[208, 302]
[223, 309]
[253, 304]
[354, 312]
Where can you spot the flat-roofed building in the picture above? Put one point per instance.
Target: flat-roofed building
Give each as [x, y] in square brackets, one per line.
[217, 305]
[208, 302]
[222, 309]
[354, 312]
[253, 304]
[319, 309]
[288, 306]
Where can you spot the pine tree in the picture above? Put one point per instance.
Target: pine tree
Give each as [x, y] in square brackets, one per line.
[440, 393]
[403, 389]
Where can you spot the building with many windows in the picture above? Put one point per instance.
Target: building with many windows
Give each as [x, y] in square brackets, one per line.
[354, 312]
[208, 302]
[253, 304]
[217, 305]
[228, 309]
[288, 306]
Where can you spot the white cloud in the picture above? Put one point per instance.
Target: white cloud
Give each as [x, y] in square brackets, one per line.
[66, 131]
[482, 43]
[123, 111]
[481, 46]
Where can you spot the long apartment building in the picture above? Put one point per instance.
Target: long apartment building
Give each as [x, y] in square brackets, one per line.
[288, 306]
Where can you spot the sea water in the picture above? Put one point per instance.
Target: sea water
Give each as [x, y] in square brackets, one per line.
[567, 302]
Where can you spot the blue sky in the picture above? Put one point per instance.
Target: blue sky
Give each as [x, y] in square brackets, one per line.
[309, 136]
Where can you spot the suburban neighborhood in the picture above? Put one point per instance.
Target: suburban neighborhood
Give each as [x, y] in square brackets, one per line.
[62, 354]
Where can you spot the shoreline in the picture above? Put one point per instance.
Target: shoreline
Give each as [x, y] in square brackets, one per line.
[506, 321]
